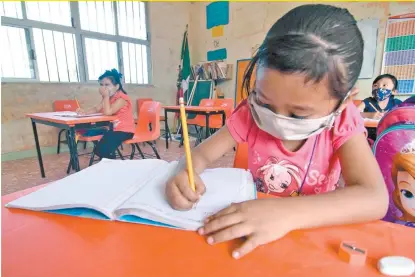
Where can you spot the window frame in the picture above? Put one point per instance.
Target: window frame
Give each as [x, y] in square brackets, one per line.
[80, 35]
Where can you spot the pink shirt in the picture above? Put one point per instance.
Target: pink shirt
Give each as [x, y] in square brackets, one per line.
[281, 172]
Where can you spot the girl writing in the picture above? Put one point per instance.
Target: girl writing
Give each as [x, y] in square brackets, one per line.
[299, 117]
[115, 101]
[382, 100]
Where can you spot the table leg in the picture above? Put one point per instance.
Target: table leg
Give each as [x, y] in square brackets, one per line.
[73, 151]
[223, 118]
[39, 154]
[166, 128]
[207, 126]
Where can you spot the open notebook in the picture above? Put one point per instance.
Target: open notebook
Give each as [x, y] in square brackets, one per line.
[134, 191]
[75, 115]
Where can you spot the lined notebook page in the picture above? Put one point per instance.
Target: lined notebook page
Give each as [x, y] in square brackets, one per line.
[223, 187]
[103, 186]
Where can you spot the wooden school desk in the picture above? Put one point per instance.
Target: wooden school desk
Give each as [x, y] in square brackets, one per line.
[69, 123]
[370, 123]
[40, 244]
[206, 111]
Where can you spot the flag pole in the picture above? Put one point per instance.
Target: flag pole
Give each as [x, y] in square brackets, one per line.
[180, 76]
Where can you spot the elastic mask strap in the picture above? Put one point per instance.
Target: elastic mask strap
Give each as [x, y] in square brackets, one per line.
[338, 111]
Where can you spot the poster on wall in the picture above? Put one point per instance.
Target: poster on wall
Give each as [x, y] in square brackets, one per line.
[369, 29]
[217, 14]
[399, 52]
[217, 55]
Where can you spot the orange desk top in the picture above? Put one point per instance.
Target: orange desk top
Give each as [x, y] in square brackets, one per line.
[52, 117]
[196, 108]
[43, 244]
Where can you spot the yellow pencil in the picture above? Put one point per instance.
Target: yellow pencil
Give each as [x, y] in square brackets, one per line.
[373, 107]
[77, 102]
[187, 145]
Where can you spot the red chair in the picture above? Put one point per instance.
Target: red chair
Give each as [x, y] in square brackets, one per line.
[64, 106]
[200, 120]
[227, 104]
[241, 156]
[147, 129]
[215, 121]
[140, 102]
[357, 102]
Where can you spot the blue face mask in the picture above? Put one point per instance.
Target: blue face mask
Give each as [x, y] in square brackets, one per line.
[382, 93]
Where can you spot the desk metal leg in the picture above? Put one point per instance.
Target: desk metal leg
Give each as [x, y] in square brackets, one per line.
[166, 128]
[39, 154]
[73, 151]
[207, 126]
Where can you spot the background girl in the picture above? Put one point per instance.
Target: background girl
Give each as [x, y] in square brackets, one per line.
[382, 100]
[115, 101]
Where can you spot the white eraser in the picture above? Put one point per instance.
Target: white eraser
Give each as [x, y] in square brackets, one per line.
[396, 266]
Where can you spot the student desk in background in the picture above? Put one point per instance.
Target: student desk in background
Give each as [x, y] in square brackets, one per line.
[40, 244]
[206, 111]
[370, 122]
[69, 123]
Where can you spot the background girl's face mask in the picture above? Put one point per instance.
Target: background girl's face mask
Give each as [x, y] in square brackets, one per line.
[382, 93]
[287, 128]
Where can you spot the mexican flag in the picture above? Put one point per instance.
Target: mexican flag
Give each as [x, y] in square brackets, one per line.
[185, 63]
[184, 71]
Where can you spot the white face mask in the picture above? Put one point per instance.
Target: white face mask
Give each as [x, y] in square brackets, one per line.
[288, 128]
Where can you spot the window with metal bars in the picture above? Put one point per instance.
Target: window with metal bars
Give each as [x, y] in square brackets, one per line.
[74, 41]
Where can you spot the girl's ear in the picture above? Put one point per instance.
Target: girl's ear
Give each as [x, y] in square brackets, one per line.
[394, 91]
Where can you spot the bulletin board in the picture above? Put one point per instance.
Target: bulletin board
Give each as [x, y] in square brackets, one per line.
[240, 92]
[399, 52]
[202, 91]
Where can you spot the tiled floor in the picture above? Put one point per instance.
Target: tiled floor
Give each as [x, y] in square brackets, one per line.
[21, 174]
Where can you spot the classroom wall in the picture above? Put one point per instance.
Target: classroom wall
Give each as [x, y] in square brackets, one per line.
[21, 98]
[249, 22]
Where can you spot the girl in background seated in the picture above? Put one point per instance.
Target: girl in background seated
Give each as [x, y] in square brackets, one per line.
[382, 100]
[115, 101]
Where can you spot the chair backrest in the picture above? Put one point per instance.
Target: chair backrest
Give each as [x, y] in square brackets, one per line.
[65, 105]
[203, 103]
[149, 119]
[226, 103]
[140, 102]
[357, 102]
[207, 103]
[241, 156]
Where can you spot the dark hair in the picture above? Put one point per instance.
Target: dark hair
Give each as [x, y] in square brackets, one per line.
[316, 40]
[114, 76]
[389, 76]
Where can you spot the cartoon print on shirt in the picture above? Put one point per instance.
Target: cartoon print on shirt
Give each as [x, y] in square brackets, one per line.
[276, 176]
[256, 157]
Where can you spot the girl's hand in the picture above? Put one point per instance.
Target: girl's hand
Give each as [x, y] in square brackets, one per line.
[104, 92]
[260, 221]
[379, 115]
[179, 193]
